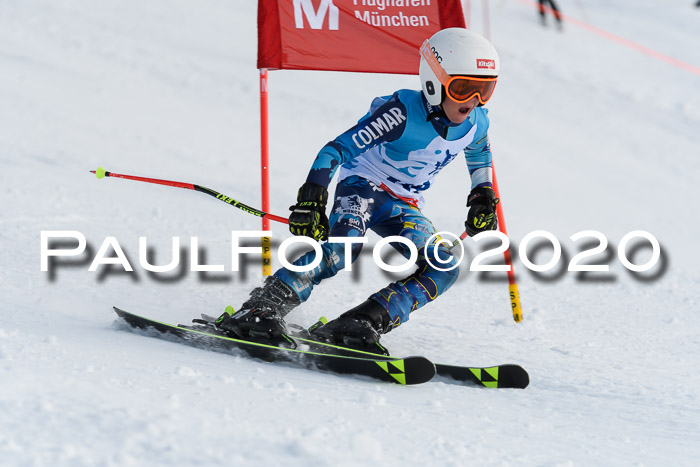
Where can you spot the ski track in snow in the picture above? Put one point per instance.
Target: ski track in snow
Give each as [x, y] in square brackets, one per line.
[586, 134]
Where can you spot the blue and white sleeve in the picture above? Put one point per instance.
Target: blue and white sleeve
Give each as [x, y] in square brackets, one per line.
[385, 122]
[478, 155]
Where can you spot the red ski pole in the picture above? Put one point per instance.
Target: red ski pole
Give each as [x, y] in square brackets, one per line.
[101, 173]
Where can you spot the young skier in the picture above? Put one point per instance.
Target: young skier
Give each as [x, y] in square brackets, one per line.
[386, 161]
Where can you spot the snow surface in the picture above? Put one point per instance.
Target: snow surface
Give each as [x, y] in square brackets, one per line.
[587, 134]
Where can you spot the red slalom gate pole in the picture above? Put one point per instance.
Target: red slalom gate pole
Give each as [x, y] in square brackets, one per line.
[265, 172]
[512, 285]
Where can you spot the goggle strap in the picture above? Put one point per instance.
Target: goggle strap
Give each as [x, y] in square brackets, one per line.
[427, 53]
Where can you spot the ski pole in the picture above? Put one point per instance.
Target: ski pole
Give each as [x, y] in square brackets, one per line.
[101, 173]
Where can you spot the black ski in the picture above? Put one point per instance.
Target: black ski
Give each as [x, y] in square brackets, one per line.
[409, 370]
[498, 376]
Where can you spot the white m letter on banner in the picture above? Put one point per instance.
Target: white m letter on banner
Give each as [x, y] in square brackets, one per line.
[315, 18]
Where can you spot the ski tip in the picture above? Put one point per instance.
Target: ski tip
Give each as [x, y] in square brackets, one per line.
[100, 172]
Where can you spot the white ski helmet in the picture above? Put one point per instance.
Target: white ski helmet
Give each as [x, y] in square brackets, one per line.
[460, 52]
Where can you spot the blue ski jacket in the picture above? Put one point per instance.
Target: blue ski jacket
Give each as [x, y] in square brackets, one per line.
[402, 143]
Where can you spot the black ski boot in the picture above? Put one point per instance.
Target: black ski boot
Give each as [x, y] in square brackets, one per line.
[261, 316]
[358, 328]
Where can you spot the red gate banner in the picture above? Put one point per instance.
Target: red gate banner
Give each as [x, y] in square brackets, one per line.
[374, 36]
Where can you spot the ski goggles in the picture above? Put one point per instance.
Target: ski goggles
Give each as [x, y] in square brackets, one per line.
[459, 88]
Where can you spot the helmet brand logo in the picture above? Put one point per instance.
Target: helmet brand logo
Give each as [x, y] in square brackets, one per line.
[437, 55]
[482, 63]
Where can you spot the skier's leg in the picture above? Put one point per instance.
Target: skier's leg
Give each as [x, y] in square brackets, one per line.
[361, 326]
[437, 267]
[332, 261]
[266, 307]
[351, 215]
[541, 9]
[555, 10]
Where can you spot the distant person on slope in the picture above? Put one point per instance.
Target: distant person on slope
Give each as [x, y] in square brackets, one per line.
[386, 161]
[555, 10]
